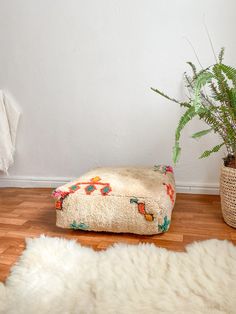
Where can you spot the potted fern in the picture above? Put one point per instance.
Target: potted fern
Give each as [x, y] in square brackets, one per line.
[213, 99]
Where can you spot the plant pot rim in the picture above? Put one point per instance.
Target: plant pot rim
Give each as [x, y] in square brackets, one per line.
[227, 169]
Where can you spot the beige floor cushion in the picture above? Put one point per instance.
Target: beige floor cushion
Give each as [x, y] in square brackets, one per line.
[135, 200]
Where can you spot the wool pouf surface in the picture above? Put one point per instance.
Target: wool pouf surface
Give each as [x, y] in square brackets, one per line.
[59, 276]
[129, 200]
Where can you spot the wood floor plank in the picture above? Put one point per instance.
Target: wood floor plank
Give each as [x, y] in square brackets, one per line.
[28, 213]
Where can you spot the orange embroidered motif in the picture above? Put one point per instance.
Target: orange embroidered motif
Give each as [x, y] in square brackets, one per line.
[141, 209]
[170, 191]
[58, 204]
[59, 196]
[96, 179]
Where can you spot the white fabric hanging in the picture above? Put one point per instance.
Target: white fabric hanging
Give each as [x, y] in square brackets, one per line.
[9, 118]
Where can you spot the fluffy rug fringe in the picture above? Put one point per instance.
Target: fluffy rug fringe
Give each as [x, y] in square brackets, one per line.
[59, 276]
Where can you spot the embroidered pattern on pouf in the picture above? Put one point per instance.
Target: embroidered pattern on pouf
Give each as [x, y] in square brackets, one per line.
[136, 200]
[78, 226]
[141, 209]
[163, 169]
[170, 191]
[90, 187]
[165, 225]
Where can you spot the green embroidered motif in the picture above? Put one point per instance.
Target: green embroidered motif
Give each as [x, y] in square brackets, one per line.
[134, 200]
[165, 226]
[80, 226]
[163, 169]
[105, 190]
[90, 188]
[73, 187]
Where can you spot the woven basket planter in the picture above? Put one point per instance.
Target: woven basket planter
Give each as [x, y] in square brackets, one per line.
[228, 195]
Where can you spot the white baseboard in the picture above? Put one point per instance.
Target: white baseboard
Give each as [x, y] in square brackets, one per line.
[197, 188]
[32, 182]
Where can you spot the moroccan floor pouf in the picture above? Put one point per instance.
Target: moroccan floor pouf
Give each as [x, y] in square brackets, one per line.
[135, 200]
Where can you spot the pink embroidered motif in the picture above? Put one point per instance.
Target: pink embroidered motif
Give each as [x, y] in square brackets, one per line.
[59, 194]
[163, 169]
[169, 169]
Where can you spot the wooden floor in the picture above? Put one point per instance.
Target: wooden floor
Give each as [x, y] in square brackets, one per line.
[30, 212]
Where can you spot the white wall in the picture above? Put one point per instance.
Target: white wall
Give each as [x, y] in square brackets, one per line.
[81, 71]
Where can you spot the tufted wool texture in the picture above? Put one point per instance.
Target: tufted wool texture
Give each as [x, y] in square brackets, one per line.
[136, 200]
[59, 276]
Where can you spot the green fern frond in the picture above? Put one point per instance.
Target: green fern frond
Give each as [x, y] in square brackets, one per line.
[199, 82]
[221, 55]
[212, 98]
[232, 96]
[215, 94]
[221, 82]
[189, 114]
[186, 117]
[194, 69]
[183, 104]
[201, 133]
[215, 149]
[230, 72]
[176, 152]
[202, 79]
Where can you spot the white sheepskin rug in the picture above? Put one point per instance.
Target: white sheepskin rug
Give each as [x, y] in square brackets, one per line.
[59, 276]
